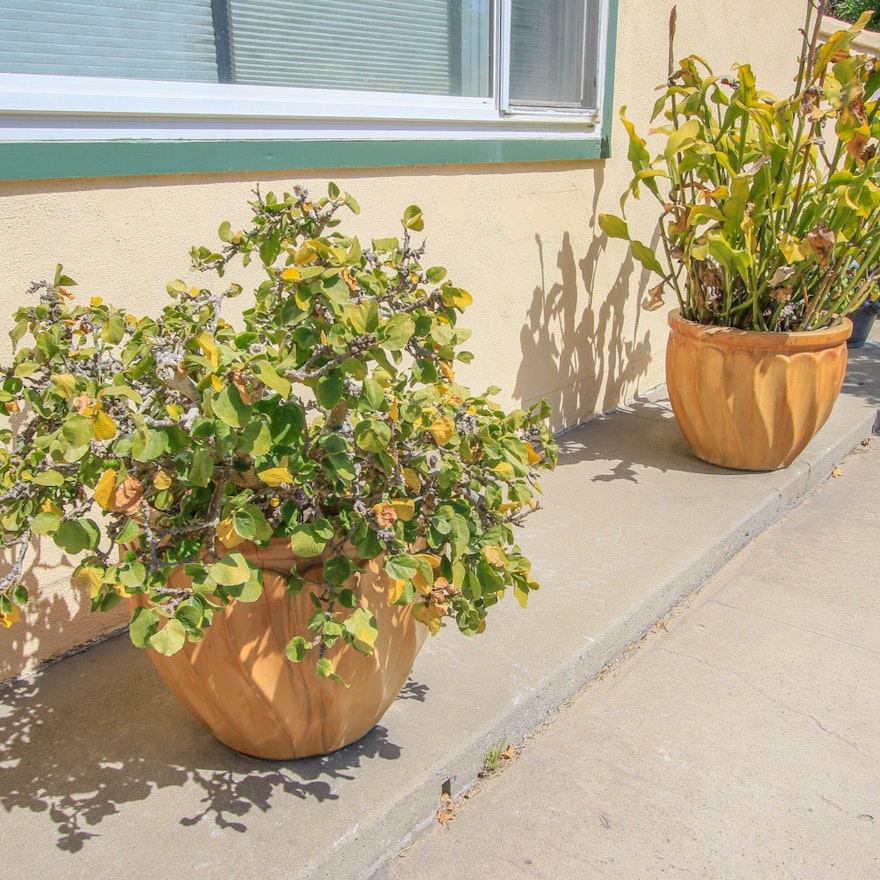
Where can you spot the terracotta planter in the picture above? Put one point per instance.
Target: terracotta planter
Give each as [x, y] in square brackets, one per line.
[239, 683]
[749, 400]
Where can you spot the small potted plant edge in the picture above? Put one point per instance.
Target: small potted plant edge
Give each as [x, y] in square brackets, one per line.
[284, 504]
[766, 204]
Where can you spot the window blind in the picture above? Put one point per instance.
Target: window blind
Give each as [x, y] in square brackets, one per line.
[142, 39]
[382, 46]
[553, 47]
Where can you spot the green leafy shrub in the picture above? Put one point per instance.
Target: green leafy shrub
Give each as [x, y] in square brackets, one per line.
[853, 10]
[331, 418]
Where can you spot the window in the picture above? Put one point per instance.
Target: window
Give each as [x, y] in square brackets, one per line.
[384, 70]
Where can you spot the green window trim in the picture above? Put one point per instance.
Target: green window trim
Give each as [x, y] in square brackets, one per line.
[60, 160]
[54, 160]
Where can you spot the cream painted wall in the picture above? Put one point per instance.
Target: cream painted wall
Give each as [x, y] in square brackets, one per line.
[556, 306]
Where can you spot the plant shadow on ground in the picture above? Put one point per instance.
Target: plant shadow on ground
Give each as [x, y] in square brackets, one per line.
[862, 374]
[85, 737]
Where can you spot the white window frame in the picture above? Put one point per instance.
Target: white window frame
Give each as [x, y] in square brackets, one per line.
[69, 108]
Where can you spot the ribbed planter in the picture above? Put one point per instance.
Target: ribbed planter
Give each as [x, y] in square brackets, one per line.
[750, 400]
[239, 683]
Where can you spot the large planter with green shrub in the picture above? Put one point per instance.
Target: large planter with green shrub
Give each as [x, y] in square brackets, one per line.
[326, 433]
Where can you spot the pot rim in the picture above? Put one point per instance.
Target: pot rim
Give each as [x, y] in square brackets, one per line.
[761, 340]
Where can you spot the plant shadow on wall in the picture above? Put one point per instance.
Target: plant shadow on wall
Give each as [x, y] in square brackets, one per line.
[583, 359]
[61, 610]
[66, 751]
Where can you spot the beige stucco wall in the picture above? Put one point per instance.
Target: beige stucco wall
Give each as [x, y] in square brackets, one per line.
[555, 311]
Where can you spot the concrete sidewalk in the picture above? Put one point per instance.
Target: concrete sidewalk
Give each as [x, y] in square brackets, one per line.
[741, 739]
[103, 775]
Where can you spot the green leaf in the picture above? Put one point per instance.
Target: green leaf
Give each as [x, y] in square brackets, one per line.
[681, 138]
[372, 435]
[384, 245]
[65, 384]
[402, 566]
[398, 331]
[256, 439]
[297, 648]
[266, 373]
[338, 569]
[129, 532]
[374, 394]
[646, 257]
[202, 468]
[45, 523]
[72, 537]
[251, 524]
[365, 317]
[413, 219]
[324, 667]
[230, 571]
[156, 444]
[143, 625]
[170, 639]
[329, 389]
[49, 478]
[230, 408]
[435, 274]
[113, 329]
[306, 541]
[614, 227]
[361, 628]
[132, 574]
[287, 424]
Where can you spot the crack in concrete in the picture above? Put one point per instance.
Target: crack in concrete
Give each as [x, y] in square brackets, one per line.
[771, 699]
[785, 623]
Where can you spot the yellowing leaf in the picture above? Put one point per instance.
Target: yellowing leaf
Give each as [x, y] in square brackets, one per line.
[405, 510]
[442, 430]
[162, 480]
[65, 384]
[275, 476]
[205, 342]
[174, 410]
[534, 457]
[291, 274]
[103, 426]
[216, 384]
[430, 615]
[304, 255]
[89, 578]
[96, 301]
[522, 596]
[395, 589]
[50, 507]
[227, 534]
[105, 489]
[504, 469]
[455, 296]
[421, 583]
[432, 559]
[494, 556]
[411, 478]
[12, 617]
